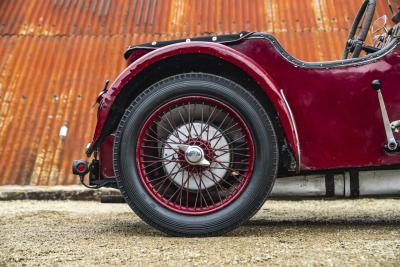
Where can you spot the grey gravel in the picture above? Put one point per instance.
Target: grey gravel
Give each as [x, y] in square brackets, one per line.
[287, 233]
[58, 192]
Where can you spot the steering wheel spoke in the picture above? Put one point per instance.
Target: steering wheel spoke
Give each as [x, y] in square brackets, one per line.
[362, 22]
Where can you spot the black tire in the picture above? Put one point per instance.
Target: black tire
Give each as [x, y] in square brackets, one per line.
[254, 193]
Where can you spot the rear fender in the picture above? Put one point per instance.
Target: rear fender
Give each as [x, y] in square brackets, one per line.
[223, 52]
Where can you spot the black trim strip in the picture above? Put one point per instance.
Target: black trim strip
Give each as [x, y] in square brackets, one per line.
[330, 185]
[325, 64]
[221, 39]
[354, 184]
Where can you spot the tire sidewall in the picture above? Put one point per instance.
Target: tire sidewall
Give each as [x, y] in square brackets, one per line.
[265, 150]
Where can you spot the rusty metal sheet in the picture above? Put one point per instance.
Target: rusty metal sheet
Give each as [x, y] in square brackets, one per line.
[56, 54]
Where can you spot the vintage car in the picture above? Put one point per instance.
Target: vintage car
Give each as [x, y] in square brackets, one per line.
[194, 132]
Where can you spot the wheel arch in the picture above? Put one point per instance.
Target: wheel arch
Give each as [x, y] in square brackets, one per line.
[208, 58]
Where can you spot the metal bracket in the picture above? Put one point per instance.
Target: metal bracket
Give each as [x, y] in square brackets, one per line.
[395, 125]
[391, 145]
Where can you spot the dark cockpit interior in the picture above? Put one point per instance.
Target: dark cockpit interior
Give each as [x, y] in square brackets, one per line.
[381, 32]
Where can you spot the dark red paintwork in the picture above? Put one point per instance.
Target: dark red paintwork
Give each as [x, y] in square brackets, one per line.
[106, 157]
[218, 50]
[337, 114]
[335, 111]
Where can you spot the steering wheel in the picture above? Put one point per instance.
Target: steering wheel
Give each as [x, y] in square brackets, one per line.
[354, 43]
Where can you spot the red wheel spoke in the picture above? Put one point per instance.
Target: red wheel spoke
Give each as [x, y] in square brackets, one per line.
[233, 141]
[156, 169]
[216, 183]
[226, 167]
[197, 197]
[163, 142]
[191, 123]
[153, 163]
[155, 157]
[206, 189]
[220, 125]
[232, 170]
[221, 135]
[230, 149]
[184, 123]
[201, 194]
[166, 178]
[225, 132]
[170, 198]
[167, 175]
[153, 147]
[173, 126]
[167, 130]
[162, 160]
[231, 153]
[234, 176]
[208, 121]
[160, 147]
[187, 195]
[177, 136]
[223, 180]
[232, 162]
[189, 120]
[229, 133]
[171, 179]
[179, 190]
[202, 118]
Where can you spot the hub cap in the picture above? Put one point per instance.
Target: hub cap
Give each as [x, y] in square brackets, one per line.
[195, 155]
[198, 154]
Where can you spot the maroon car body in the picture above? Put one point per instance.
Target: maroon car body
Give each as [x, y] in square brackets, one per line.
[335, 112]
[326, 114]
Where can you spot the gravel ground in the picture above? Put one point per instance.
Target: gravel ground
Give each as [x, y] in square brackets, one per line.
[330, 233]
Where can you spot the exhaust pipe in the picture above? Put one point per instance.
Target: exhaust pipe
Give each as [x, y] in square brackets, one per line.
[351, 184]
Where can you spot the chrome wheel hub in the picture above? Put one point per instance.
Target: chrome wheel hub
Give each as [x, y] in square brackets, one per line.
[194, 155]
[198, 150]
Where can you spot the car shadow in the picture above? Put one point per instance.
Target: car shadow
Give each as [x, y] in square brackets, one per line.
[324, 222]
[260, 226]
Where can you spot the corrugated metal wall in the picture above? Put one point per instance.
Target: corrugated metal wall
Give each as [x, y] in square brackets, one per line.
[56, 54]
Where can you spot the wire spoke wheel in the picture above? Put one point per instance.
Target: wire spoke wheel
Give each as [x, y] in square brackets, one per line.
[195, 155]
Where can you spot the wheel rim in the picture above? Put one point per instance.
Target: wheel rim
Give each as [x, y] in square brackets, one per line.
[195, 155]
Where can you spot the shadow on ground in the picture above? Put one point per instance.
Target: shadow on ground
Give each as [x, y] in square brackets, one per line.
[262, 226]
